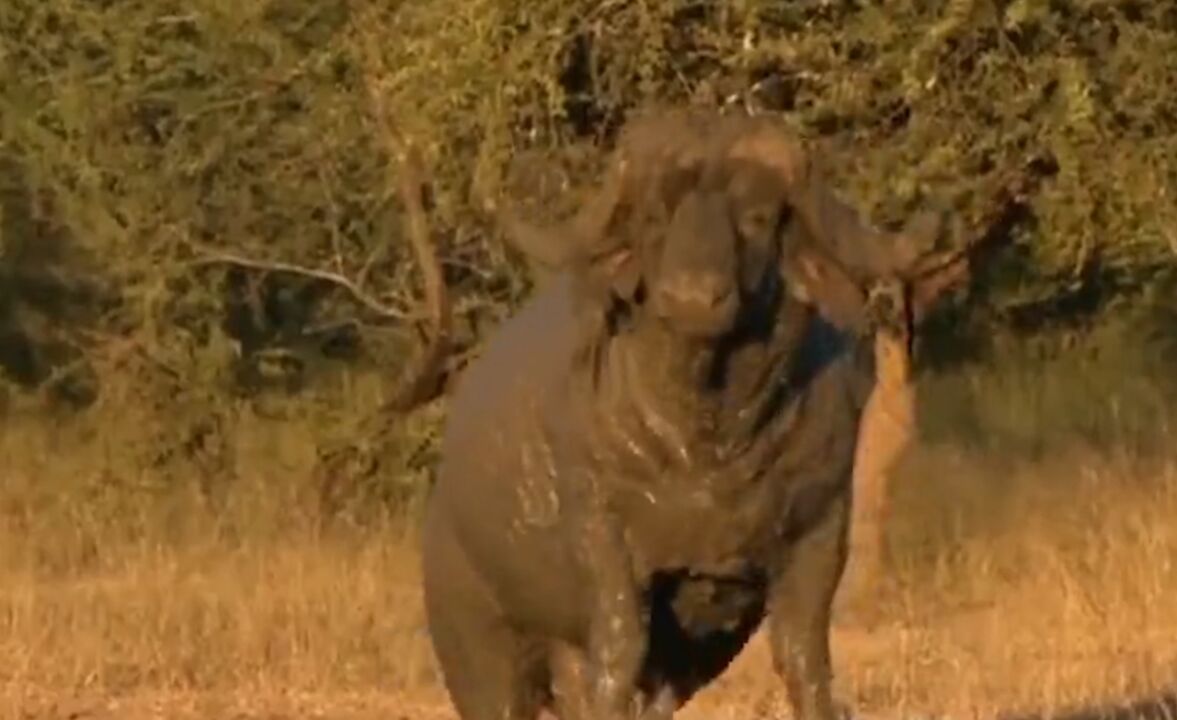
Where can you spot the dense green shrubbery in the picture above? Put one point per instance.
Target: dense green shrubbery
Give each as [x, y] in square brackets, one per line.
[138, 136]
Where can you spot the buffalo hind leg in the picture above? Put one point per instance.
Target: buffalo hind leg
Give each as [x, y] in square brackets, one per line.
[800, 602]
[490, 670]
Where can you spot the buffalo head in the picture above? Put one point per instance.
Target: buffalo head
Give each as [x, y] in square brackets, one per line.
[705, 218]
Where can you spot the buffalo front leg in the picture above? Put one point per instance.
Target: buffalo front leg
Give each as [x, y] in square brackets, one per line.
[570, 686]
[617, 637]
[800, 602]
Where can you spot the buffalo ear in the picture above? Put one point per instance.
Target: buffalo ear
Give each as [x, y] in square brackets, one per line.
[916, 242]
[625, 274]
[609, 278]
[816, 279]
[933, 279]
[618, 272]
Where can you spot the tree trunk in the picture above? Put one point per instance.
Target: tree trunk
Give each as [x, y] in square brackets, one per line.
[886, 430]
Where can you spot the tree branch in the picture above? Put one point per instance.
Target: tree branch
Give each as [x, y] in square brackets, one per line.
[373, 306]
[948, 270]
[422, 379]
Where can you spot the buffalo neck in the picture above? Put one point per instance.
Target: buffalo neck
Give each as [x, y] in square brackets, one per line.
[687, 402]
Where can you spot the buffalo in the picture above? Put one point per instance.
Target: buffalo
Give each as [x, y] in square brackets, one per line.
[654, 454]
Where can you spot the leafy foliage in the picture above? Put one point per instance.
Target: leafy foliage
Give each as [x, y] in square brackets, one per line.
[140, 138]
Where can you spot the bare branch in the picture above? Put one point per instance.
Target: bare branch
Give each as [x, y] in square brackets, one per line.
[422, 379]
[369, 263]
[373, 306]
[945, 271]
[423, 376]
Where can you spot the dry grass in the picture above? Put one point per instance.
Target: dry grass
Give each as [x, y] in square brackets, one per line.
[1016, 589]
[1045, 600]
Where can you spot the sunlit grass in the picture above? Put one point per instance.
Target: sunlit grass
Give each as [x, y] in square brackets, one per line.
[1014, 585]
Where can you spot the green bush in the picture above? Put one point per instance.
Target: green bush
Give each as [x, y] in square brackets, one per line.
[138, 137]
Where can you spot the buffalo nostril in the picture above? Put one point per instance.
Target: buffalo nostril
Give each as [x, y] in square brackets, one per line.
[720, 295]
[705, 291]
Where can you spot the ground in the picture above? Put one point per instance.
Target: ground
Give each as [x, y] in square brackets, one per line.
[900, 671]
[1029, 589]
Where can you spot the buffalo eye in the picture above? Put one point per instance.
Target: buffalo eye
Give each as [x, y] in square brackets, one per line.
[756, 223]
[757, 228]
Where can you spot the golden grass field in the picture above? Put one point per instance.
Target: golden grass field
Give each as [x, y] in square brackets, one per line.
[1030, 588]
